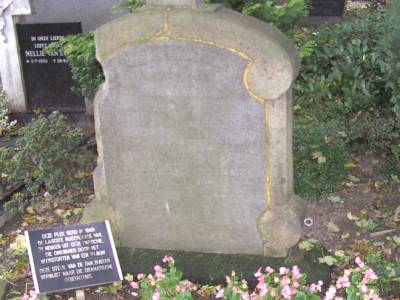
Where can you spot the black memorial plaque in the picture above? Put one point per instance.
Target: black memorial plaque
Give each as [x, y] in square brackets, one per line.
[48, 78]
[327, 8]
[72, 257]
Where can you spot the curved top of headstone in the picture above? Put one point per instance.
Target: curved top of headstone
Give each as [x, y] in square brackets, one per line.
[273, 62]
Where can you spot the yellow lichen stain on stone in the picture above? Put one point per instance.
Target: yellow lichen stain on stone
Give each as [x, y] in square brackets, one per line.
[267, 156]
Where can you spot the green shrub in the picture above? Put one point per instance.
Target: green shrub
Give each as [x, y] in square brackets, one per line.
[342, 76]
[319, 155]
[80, 52]
[348, 70]
[47, 156]
[390, 168]
[282, 16]
[351, 74]
[378, 130]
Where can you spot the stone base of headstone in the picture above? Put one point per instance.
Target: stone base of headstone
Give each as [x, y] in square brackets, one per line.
[206, 268]
[280, 226]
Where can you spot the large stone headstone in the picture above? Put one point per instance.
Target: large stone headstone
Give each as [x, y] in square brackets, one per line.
[193, 127]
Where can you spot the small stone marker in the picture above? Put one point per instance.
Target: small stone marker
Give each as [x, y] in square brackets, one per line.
[327, 8]
[72, 257]
[48, 78]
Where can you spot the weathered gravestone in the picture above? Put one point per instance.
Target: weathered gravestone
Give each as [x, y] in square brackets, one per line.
[193, 128]
[327, 8]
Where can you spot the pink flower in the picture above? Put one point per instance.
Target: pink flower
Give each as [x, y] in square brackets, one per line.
[258, 273]
[314, 288]
[263, 289]
[254, 296]
[156, 296]
[283, 270]
[220, 293]
[343, 282]
[236, 289]
[330, 294]
[369, 274]
[359, 262]
[261, 280]
[285, 280]
[140, 276]
[134, 285]
[168, 259]
[245, 295]
[296, 272]
[159, 272]
[25, 297]
[269, 270]
[372, 295]
[228, 279]
[286, 292]
[185, 286]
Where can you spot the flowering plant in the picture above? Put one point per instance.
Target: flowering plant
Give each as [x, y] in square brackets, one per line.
[165, 284]
[285, 284]
[356, 284]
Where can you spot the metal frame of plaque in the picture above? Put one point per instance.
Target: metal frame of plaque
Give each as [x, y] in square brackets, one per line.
[72, 257]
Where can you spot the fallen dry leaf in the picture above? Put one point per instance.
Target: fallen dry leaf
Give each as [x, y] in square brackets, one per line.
[319, 157]
[351, 217]
[350, 165]
[332, 227]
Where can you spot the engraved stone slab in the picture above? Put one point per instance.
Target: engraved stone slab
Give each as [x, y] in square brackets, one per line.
[48, 78]
[184, 156]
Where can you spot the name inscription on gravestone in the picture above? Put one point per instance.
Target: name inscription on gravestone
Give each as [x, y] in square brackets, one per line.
[326, 8]
[71, 257]
[48, 78]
